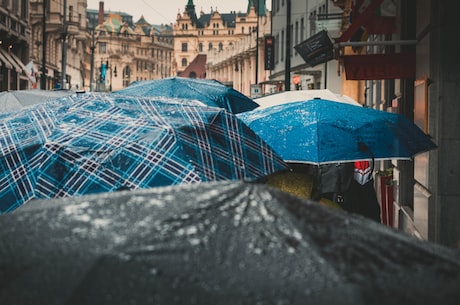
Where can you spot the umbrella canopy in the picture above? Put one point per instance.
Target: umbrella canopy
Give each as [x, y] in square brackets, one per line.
[302, 95]
[209, 92]
[18, 99]
[214, 243]
[93, 143]
[321, 131]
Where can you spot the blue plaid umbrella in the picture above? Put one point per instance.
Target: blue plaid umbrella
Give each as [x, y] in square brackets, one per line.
[209, 92]
[93, 143]
[320, 131]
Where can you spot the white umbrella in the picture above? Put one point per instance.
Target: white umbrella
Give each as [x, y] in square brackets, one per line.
[303, 95]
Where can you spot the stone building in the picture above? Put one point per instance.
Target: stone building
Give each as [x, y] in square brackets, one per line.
[406, 63]
[14, 44]
[241, 64]
[305, 19]
[125, 51]
[195, 35]
[61, 47]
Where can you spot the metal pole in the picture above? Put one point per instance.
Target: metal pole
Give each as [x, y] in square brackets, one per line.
[287, 67]
[325, 64]
[43, 76]
[257, 48]
[64, 48]
[91, 81]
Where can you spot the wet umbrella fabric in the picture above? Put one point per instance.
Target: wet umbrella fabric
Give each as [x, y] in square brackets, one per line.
[209, 92]
[214, 243]
[320, 131]
[302, 95]
[94, 143]
[17, 99]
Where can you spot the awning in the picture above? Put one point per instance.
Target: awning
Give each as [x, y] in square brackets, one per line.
[19, 62]
[272, 82]
[5, 61]
[8, 59]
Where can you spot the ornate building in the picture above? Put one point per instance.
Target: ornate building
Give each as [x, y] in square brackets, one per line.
[197, 35]
[124, 51]
[61, 47]
[241, 65]
[14, 44]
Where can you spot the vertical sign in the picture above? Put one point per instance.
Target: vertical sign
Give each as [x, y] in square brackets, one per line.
[269, 52]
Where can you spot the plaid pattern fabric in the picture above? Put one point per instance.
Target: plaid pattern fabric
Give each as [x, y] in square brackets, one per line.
[207, 91]
[94, 143]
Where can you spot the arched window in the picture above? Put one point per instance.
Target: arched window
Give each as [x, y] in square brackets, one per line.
[210, 46]
[221, 46]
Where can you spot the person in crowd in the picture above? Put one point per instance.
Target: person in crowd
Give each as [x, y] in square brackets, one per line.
[351, 186]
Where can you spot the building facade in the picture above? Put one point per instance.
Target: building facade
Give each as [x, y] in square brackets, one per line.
[14, 44]
[241, 64]
[425, 190]
[202, 34]
[293, 22]
[122, 51]
[59, 50]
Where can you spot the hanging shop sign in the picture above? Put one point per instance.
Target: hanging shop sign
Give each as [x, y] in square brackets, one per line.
[317, 49]
[379, 66]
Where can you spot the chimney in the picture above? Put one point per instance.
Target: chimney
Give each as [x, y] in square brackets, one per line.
[100, 19]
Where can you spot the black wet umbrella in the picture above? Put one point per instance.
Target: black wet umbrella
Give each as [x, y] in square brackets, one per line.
[214, 243]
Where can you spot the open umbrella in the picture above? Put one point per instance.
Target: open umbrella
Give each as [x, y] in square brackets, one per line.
[302, 95]
[17, 99]
[321, 131]
[209, 92]
[214, 243]
[94, 143]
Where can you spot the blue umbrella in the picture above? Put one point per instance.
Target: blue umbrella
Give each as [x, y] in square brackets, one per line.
[320, 131]
[17, 99]
[93, 143]
[209, 92]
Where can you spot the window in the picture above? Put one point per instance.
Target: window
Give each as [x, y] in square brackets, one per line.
[24, 10]
[184, 47]
[184, 62]
[210, 46]
[281, 46]
[70, 12]
[200, 47]
[102, 48]
[221, 46]
[296, 33]
[277, 43]
[302, 30]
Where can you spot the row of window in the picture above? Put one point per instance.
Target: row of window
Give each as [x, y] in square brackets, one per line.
[200, 47]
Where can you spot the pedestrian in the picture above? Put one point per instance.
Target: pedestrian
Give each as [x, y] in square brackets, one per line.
[351, 186]
[362, 198]
[333, 180]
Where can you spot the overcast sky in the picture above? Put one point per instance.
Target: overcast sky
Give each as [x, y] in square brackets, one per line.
[165, 11]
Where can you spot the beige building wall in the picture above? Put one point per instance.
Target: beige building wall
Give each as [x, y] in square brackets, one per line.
[130, 54]
[236, 64]
[75, 41]
[191, 40]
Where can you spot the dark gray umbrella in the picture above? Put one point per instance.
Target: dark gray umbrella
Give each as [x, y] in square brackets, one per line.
[214, 243]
